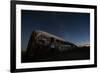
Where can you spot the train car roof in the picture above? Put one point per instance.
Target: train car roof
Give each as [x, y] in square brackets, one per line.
[49, 35]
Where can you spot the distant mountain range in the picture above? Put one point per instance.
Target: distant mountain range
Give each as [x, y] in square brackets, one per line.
[84, 45]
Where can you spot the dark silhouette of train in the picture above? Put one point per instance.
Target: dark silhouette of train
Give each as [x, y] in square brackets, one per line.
[44, 45]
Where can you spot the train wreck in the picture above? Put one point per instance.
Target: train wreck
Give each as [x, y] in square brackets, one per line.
[43, 44]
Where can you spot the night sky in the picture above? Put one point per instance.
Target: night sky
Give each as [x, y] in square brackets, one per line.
[73, 27]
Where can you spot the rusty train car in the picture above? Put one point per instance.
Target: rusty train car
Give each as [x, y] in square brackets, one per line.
[42, 44]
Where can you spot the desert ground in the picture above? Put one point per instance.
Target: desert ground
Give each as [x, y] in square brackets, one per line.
[79, 53]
